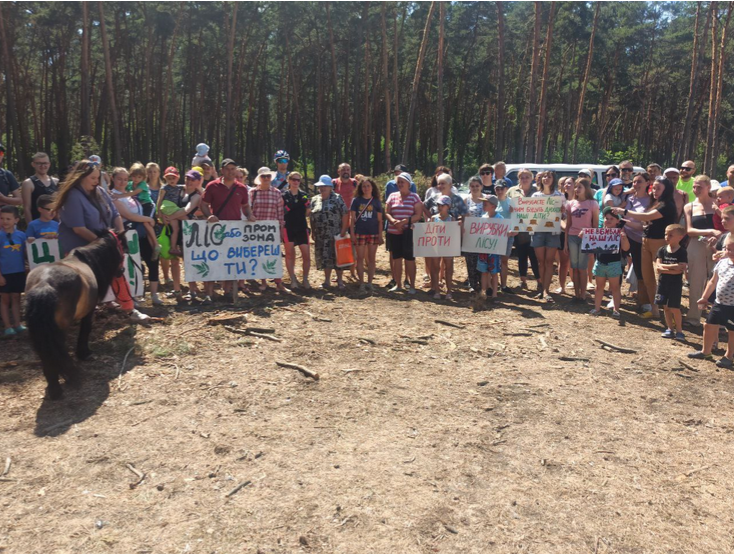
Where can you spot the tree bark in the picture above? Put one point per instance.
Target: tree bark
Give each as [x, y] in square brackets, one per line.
[532, 121]
[693, 86]
[439, 91]
[499, 141]
[386, 92]
[10, 83]
[585, 83]
[229, 123]
[540, 141]
[117, 148]
[408, 147]
[168, 96]
[338, 124]
[708, 161]
[85, 127]
[720, 84]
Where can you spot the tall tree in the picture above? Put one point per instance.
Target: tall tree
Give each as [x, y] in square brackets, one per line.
[531, 119]
[719, 86]
[85, 126]
[499, 141]
[386, 90]
[117, 140]
[229, 120]
[439, 91]
[541, 139]
[585, 83]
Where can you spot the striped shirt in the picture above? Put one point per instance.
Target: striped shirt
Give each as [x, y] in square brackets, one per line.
[401, 208]
[267, 204]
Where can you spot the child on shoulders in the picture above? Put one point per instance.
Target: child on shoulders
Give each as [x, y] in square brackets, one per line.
[12, 270]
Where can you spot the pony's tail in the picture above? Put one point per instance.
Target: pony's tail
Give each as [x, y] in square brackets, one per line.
[47, 338]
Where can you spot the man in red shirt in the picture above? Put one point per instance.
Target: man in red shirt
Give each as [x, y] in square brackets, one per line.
[225, 199]
[345, 187]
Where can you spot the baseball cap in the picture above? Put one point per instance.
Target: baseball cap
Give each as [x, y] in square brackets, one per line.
[615, 182]
[95, 159]
[608, 210]
[401, 168]
[492, 199]
[228, 161]
[193, 174]
[671, 170]
[171, 171]
[585, 172]
[444, 201]
[281, 154]
[206, 162]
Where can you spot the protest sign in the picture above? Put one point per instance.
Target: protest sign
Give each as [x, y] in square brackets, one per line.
[232, 250]
[485, 235]
[437, 239]
[537, 215]
[43, 251]
[133, 265]
[600, 241]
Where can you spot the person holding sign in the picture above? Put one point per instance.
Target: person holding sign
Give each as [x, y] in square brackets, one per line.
[546, 243]
[444, 205]
[403, 208]
[12, 270]
[490, 265]
[266, 202]
[475, 208]
[608, 266]
[329, 218]
[504, 209]
[581, 213]
[523, 248]
[366, 229]
[296, 210]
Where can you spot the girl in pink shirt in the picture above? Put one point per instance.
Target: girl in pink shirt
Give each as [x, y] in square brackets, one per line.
[582, 213]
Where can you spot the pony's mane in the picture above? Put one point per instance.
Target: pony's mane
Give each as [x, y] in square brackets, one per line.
[103, 256]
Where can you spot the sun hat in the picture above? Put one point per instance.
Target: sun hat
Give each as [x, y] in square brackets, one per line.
[202, 149]
[171, 171]
[406, 176]
[324, 181]
[615, 182]
[263, 171]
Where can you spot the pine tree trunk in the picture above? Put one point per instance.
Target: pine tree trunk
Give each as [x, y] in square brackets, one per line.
[386, 92]
[693, 86]
[499, 141]
[709, 151]
[229, 118]
[439, 91]
[540, 141]
[532, 121]
[720, 84]
[585, 84]
[13, 122]
[168, 96]
[407, 146]
[335, 101]
[117, 148]
[85, 127]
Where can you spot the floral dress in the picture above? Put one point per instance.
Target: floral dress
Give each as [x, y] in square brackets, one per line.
[326, 223]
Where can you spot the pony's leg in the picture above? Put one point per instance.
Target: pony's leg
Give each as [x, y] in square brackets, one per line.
[53, 390]
[82, 346]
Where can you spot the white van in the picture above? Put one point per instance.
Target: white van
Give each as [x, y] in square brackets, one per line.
[564, 170]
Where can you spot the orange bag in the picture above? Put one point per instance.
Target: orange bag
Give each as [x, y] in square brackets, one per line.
[344, 255]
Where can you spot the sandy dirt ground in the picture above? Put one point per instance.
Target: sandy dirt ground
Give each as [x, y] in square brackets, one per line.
[512, 431]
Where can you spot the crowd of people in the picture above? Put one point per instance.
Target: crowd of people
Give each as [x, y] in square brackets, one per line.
[674, 232]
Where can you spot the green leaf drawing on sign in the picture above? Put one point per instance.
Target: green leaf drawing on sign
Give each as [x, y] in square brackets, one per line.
[269, 267]
[219, 233]
[202, 268]
[187, 229]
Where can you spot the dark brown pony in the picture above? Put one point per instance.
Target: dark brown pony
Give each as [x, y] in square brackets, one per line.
[59, 294]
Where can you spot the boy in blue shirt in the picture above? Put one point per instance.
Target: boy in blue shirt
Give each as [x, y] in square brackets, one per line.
[12, 270]
[45, 227]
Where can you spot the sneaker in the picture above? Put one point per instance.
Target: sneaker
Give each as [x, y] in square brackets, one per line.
[437, 296]
[449, 297]
[362, 289]
[395, 288]
[406, 284]
[595, 312]
[699, 355]
[549, 299]
[725, 363]
[10, 332]
[668, 334]
[616, 314]
[136, 316]
[391, 284]
[411, 290]
[680, 336]
[20, 328]
[646, 308]
[156, 300]
[507, 290]
[206, 300]
[610, 305]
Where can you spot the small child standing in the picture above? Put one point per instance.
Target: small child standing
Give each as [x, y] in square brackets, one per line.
[671, 263]
[138, 187]
[724, 199]
[608, 267]
[45, 227]
[12, 270]
[722, 312]
[444, 204]
[490, 265]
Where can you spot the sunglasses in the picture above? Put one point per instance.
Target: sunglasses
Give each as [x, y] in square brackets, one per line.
[10, 239]
[626, 169]
[281, 161]
[266, 176]
[294, 179]
[684, 168]
[611, 175]
[485, 173]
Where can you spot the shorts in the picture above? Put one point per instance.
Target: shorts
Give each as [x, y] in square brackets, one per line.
[489, 263]
[721, 315]
[610, 270]
[14, 283]
[579, 260]
[401, 246]
[545, 240]
[669, 294]
[364, 240]
[296, 237]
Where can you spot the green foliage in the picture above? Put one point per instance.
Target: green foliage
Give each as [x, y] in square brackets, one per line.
[83, 148]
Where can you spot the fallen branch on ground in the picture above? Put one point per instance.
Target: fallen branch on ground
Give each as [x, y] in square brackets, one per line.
[368, 341]
[449, 324]
[260, 330]
[307, 372]
[572, 359]
[237, 489]
[149, 417]
[122, 367]
[252, 333]
[140, 474]
[685, 365]
[227, 319]
[317, 317]
[615, 347]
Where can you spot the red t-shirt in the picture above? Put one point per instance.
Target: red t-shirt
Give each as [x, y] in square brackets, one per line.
[717, 218]
[345, 190]
[216, 193]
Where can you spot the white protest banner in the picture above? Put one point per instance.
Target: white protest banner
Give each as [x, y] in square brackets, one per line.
[537, 215]
[600, 241]
[440, 239]
[43, 251]
[133, 265]
[485, 235]
[232, 250]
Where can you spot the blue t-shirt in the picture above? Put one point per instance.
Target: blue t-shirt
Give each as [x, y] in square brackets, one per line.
[41, 229]
[12, 252]
[366, 223]
[504, 208]
[392, 186]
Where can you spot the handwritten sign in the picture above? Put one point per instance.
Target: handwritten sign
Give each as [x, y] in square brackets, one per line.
[43, 251]
[437, 239]
[133, 265]
[232, 250]
[537, 215]
[485, 235]
[600, 241]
